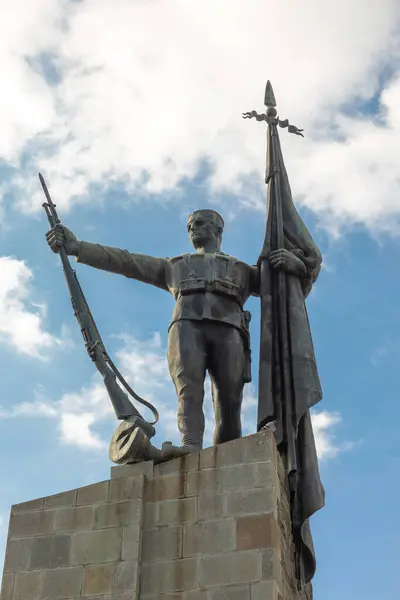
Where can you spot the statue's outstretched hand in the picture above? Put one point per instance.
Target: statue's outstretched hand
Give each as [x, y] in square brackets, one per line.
[62, 236]
[287, 261]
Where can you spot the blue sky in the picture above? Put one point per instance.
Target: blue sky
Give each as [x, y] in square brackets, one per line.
[133, 116]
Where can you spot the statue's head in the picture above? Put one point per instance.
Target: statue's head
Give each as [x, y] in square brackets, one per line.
[205, 228]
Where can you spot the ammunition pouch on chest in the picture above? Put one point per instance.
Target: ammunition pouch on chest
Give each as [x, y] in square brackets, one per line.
[222, 287]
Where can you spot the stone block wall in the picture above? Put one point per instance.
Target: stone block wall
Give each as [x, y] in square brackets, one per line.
[211, 526]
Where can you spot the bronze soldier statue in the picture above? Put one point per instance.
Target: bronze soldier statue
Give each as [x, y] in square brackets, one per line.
[209, 330]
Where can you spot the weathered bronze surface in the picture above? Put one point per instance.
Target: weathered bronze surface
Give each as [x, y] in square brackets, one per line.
[209, 332]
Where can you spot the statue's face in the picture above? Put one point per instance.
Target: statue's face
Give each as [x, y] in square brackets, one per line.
[202, 231]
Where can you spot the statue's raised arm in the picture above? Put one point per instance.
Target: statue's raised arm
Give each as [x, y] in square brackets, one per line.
[136, 266]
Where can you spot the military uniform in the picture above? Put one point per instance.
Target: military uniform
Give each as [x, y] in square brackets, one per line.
[209, 329]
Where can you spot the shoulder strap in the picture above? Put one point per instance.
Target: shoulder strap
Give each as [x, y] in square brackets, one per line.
[231, 265]
[189, 264]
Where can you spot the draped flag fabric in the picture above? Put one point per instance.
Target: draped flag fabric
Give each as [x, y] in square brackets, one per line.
[289, 384]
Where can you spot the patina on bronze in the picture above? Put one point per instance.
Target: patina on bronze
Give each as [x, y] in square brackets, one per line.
[288, 383]
[209, 332]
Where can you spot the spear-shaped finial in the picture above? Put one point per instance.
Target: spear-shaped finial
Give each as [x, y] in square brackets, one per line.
[271, 112]
[269, 99]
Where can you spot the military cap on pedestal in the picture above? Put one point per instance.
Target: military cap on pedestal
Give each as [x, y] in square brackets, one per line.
[207, 215]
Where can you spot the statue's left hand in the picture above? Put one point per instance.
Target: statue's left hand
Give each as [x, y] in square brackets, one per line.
[286, 260]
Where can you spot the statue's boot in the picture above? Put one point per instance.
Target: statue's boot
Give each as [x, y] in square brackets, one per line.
[130, 444]
[170, 451]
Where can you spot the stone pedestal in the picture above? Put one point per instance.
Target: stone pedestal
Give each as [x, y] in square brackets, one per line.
[211, 526]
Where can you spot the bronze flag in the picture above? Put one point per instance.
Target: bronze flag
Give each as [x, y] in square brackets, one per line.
[289, 384]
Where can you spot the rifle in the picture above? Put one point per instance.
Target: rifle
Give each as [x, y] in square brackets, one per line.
[123, 407]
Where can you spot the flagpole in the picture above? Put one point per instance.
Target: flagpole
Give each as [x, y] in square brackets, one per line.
[275, 389]
[267, 324]
[280, 295]
[288, 384]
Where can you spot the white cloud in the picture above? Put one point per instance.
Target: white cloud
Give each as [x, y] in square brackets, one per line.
[77, 414]
[144, 365]
[147, 89]
[76, 430]
[26, 102]
[324, 425]
[74, 413]
[21, 320]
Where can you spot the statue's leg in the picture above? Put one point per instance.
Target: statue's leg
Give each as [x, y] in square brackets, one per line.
[187, 366]
[226, 367]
